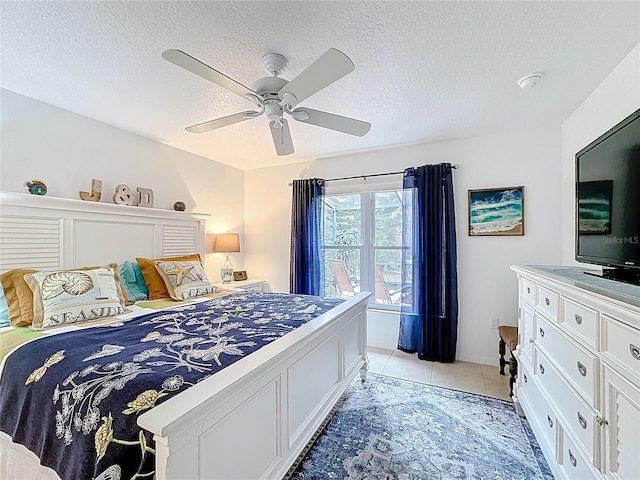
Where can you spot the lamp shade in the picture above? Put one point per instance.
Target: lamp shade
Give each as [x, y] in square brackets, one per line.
[227, 243]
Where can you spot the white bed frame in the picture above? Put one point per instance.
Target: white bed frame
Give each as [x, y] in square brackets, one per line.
[252, 419]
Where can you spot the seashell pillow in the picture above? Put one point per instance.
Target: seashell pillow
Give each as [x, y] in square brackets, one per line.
[185, 279]
[72, 296]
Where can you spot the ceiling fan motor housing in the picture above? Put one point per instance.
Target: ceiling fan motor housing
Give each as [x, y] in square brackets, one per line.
[268, 87]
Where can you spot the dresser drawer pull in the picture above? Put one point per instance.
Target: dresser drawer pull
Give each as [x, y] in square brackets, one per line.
[582, 421]
[578, 319]
[582, 369]
[550, 421]
[573, 459]
[531, 340]
[547, 301]
[525, 379]
[635, 351]
[541, 369]
[528, 290]
[541, 332]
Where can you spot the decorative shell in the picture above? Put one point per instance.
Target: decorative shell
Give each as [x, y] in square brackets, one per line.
[36, 187]
[74, 283]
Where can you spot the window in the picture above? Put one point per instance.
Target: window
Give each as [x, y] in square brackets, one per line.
[363, 246]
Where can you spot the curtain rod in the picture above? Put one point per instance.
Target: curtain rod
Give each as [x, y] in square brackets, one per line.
[454, 166]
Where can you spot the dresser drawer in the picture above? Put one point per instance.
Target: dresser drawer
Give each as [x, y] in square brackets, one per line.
[579, 417]
[537, 409]
[526, 333]
[528, 291]
[547, 302]
[580, 321]
[621, 343]
[573, 461]
[578, 365]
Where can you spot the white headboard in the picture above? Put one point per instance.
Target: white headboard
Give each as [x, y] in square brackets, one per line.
[49, 233]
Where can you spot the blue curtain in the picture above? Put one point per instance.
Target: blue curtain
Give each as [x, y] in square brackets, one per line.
[307, 266]
[429, 324]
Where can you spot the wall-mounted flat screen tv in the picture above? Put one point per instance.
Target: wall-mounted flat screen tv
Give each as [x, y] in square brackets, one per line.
[608, 201]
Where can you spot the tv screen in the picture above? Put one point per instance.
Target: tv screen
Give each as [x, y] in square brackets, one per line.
[608, 198]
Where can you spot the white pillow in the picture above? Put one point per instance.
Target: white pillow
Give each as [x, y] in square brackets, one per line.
[72, 296]
[184, 279]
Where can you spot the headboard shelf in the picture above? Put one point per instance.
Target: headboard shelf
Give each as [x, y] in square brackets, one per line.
[47, 233]
[59, 203]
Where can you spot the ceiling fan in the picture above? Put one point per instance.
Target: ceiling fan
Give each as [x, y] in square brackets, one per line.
[276, 96]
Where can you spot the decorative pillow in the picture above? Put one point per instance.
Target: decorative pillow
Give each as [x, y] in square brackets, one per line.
[152, 278]
[73, 296]
[184, 279]
[132, 281]
[4, 309]
[18, 296]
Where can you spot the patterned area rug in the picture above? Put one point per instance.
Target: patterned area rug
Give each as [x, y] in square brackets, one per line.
[395, 429]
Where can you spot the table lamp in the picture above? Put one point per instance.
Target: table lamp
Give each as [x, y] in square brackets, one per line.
[227, 243]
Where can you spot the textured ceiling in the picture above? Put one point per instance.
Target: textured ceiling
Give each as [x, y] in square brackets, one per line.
[424, 71]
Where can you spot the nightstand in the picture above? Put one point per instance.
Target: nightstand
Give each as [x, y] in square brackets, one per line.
[251, 284]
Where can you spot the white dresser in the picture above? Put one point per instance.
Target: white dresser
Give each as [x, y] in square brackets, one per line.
[579, 371]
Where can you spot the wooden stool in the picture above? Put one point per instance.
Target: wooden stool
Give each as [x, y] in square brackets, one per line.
[508, 337]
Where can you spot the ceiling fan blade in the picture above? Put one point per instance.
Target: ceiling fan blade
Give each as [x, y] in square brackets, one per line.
[331, 121]
[281, 137]
[183, 60]
[330, 67]
[222, 122]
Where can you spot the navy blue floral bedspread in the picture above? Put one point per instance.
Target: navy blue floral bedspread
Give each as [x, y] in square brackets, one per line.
[73, 399]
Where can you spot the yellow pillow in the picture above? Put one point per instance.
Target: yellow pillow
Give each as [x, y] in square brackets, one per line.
[152, 278]
[19, 296]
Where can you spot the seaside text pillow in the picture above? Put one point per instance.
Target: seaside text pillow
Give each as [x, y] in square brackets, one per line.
[152, 278]
[18, 296]
[184, 279]
[72, 296]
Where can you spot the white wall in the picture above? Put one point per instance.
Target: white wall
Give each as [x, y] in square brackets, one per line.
[487, 288]
[66, 151]
[613, 100]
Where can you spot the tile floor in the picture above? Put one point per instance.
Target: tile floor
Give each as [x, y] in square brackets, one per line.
[465, 376]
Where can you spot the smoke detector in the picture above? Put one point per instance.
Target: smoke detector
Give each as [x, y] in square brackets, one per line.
[530, 80]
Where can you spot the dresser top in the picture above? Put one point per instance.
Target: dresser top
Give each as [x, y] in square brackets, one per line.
[577, 276]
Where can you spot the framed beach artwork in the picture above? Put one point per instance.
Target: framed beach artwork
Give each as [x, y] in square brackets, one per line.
[496, 211]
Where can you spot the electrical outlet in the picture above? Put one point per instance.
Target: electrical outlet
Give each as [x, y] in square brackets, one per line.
[493, 323]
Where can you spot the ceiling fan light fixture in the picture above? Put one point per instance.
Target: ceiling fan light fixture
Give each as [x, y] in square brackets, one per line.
[273, 110]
